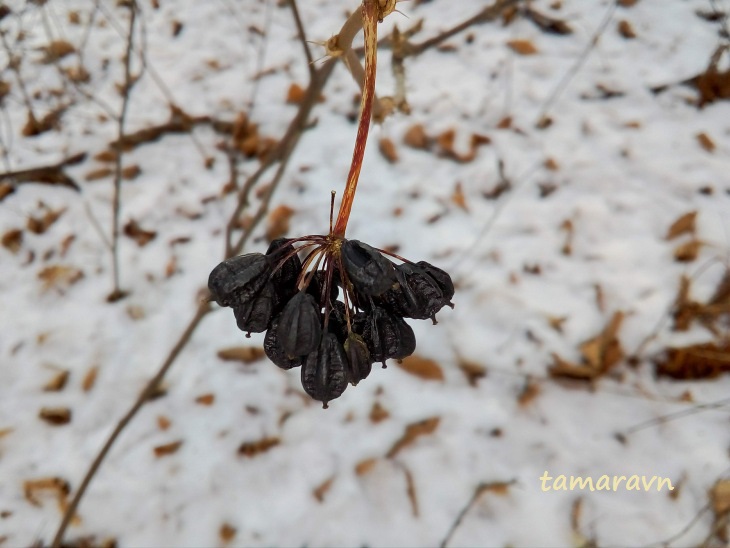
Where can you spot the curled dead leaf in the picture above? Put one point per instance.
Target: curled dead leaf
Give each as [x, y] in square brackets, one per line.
[253, 448]
[167, 449]
[685, 224]
[133, 230]
[278, 222]
[388, 150]
[416, 137]
[522, 47]
[412, 432]
[687, 252]
[56, 416]
[245, 354]
[423, 368]
[59, 277]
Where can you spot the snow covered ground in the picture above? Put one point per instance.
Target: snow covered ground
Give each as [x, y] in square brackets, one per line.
[577, 234]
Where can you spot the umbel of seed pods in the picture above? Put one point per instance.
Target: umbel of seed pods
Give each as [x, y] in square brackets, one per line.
[335, 321]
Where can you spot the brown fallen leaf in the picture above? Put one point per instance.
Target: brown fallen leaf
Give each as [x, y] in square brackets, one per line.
[445, 142]
[685, 224]
[321, 490]
[411, 491]
[57, 50]
[59, 277]
[58, 382]
[167, 449]
[227, 533]
[139, 234]
[412, 432]
[6, 189]
[687, 252]
[626, 30]
[388, 150]
[416, 137]
[530, 391]
[720, 496]
[163, 423]
[423, 368]
[295, 94]
[695, 362]
[458, 198]
[567, 226]
[365, 466]
[245, 354]
[107, 156]
[253, 448]
[97, 174]
[706, 142]
[56, 416]
[278, 222]
[12, 240]
[89, 379]
[472, 371]
[57, 486]
[205, 399]
[548, 24]
[378, 413]
[713, 84]
[131, 172]
[522, 47]
[599, 354]
[39, 225]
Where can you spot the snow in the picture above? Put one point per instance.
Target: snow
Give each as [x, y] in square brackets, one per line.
[620, 184]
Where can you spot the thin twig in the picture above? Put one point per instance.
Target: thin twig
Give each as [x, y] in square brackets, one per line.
[117, 293]
[302, 37]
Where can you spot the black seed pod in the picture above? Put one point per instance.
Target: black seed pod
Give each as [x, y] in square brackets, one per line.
[386, 335]
[236, 280]
[317, 285]
[370, 272]
[299, 326]
[417, 295]
[324, 375]
[442, 279]
[338, 321]
[254, 315]
[285, 277]
[358, 358]
[274, 350]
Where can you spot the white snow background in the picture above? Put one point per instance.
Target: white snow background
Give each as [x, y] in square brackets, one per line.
[627, 168]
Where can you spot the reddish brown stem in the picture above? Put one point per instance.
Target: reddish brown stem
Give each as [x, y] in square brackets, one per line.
[370, 30]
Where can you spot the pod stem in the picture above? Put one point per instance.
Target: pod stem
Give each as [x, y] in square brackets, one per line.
[370, 15]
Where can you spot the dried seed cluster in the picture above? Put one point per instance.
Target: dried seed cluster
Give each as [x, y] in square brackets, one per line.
[335, 342]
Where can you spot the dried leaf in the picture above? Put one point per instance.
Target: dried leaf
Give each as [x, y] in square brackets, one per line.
[695, 362]
[58, 486]
[205, 399]
[167, 449]
[131, 172]
[295, 94]
[683, 225]
[365, 466]
[422, 367]
[548, 24]
[253, 448]
[445, 142]
[322, 489]
[720, 496]
[50, 121]
[138, 234]
[412, 432]
[227, 533]
[39, 225]
[58, 382]
[411, 491]
[278, 222]
[522, 47]
[626, 30]
[163, 423]
[59, 277]
[89, 379]
[55, 416]
[388, 150]
[706, 142]
[107, 156]
[6, 189]
[378, 413]
[458, 198]
[687, 252]
[97, 174]
[416, 137]
[12, 240]
[57, 50]
[529, 392]
[472, 370]
[245, 354]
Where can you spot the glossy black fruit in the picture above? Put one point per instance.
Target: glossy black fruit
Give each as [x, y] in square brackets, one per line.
[300, 327]
[238, 279]
[367, 269]
[324, 375]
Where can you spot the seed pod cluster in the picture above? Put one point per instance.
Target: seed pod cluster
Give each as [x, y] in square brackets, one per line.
[335, 342]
